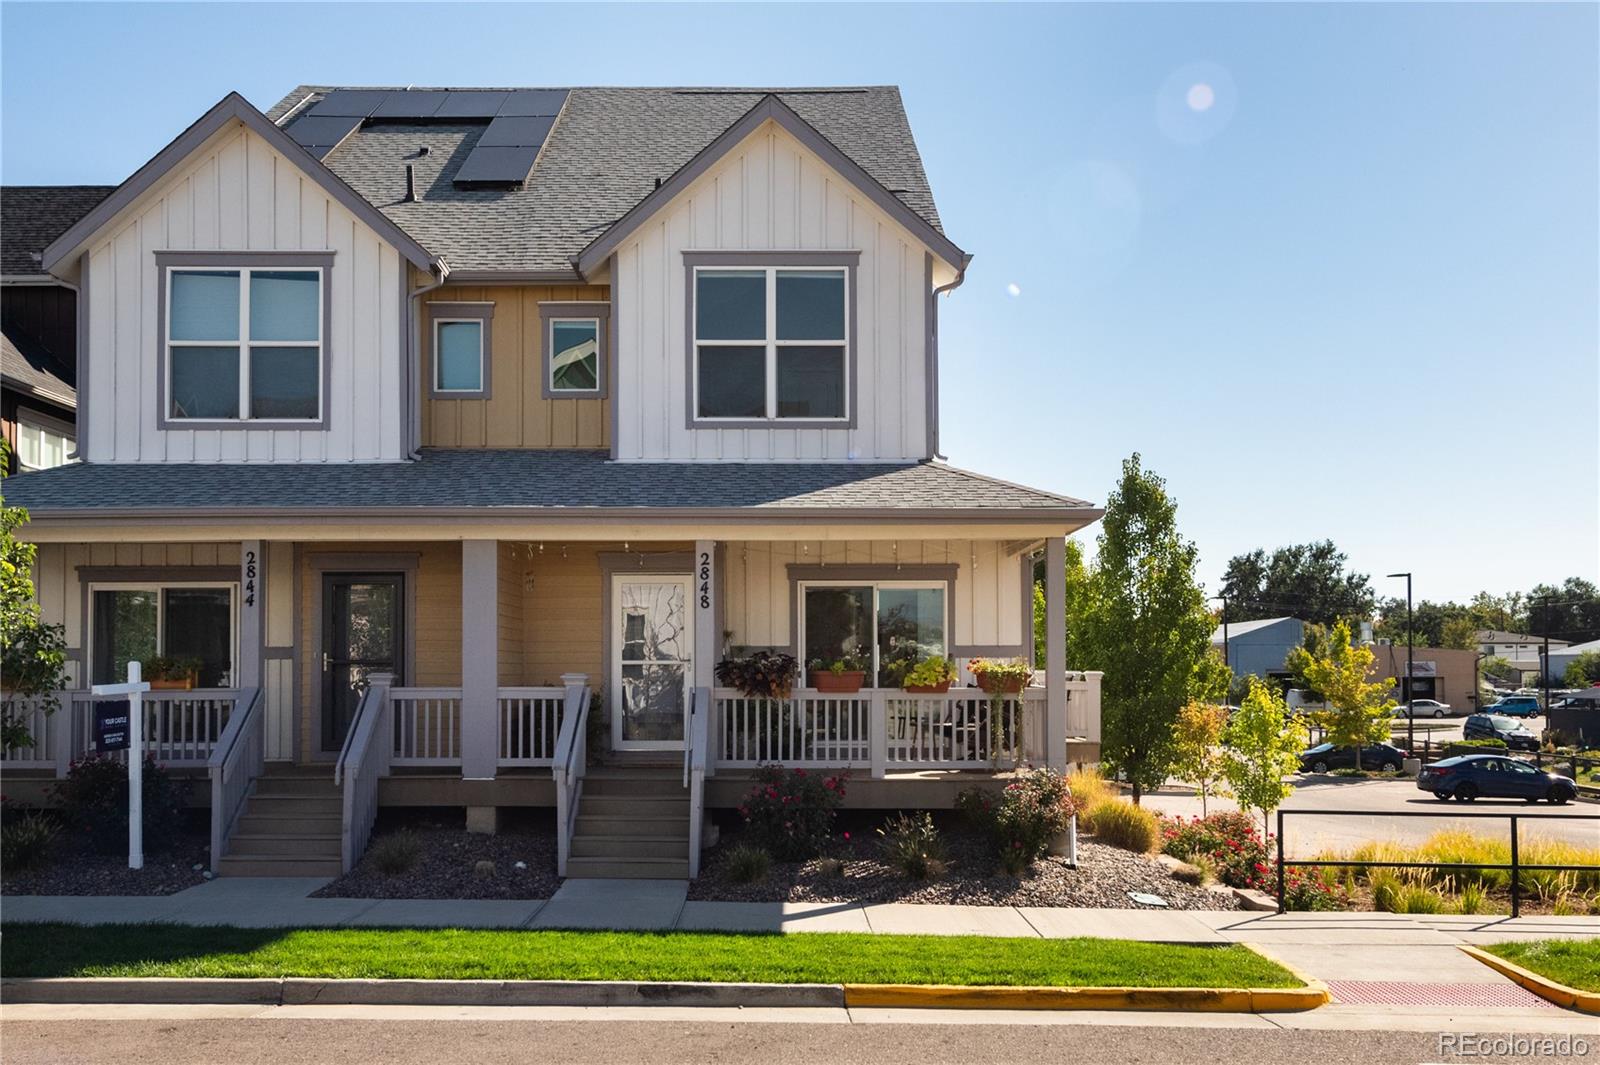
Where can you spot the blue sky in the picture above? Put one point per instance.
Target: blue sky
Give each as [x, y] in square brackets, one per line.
[1347, 289]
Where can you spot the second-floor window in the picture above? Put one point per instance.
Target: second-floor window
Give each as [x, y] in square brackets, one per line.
[771, 344]
[244, 344]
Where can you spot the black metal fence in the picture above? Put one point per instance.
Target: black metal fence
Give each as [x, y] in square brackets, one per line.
[1515, 866]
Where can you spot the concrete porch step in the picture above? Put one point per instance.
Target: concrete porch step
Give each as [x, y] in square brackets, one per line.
[632, 805]
[629, 869]
[277, 865]
[296, 844]
[627, 847]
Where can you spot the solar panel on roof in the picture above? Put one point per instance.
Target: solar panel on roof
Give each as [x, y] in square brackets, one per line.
[324, 131]
[471, 104]
[538, 103]
[349, 102]
[410, 104]
[508, 132]
[498, 165]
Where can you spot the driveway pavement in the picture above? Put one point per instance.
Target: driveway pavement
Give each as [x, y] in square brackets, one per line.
[1381, 799]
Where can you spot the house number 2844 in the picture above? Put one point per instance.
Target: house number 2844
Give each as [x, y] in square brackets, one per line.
[703, 577]
[249, 578]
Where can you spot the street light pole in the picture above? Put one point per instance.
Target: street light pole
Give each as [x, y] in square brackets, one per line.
[1411, 718]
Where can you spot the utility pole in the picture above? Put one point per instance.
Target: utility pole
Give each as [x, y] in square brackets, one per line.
[1411, 718]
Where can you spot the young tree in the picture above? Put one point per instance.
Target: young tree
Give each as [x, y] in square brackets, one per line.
[1358, 711]
[32, 654]
[1197, 753]
[1263, 746]
[1141, 618]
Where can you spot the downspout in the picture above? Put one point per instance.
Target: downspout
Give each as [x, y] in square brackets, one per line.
[933, 382]
[414, 356]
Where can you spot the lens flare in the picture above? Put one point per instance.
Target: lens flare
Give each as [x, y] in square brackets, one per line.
[1014, 289]
[1201, 96]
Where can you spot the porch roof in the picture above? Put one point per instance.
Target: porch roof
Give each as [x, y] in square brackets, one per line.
[541, 483]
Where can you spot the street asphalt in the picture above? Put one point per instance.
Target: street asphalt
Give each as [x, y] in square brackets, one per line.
[135, 1035]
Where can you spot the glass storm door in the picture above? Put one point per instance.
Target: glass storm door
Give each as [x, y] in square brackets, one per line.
[652, 649]
[361, 634]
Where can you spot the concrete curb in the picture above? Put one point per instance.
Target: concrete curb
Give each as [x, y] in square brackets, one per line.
[1184, 999]
[293, 991]
[1562, 995]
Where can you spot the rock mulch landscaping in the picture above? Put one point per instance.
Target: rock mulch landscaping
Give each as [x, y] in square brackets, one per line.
[73, 868]
[1103, 878]
[448, 865]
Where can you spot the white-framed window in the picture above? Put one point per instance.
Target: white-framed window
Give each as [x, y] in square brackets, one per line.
[458, 356]
[244, 344]
[771, 343]
[139, 621]
[573, 368]
[890, 625]
[43, 442]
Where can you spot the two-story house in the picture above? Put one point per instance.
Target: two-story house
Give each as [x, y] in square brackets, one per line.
[446, 432]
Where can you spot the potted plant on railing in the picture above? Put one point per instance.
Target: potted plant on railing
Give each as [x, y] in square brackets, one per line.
[842, 674]
[760, 674]
[172, 674]
[931, 676]
[1001, 676]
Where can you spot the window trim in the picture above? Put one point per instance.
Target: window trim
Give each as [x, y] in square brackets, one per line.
[45, 423]
[481, 312]
[243, 261]
[771, 261]
[598, 311]
[160, 587]
[802, 575]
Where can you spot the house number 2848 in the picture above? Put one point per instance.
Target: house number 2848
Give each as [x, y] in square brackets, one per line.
[249, 578]
[703, 577]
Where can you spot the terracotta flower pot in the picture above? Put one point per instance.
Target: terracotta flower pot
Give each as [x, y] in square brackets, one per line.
[172, 684]
[996, 685]
[825, 680]
[928, 689]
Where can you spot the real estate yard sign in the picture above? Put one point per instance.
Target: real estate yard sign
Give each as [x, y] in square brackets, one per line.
[133, 740]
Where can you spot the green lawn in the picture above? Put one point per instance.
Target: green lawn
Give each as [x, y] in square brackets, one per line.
[179, 950]
[1574, 962]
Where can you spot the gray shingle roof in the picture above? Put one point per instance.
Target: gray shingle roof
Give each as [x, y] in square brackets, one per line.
[469, 479]
[31, 216]
[605, 154]
[25, 363]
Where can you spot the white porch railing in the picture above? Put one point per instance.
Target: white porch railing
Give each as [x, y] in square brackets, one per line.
[427, 726]
[530, 719]
[571, 758]
[181, 729]
[364, 759]
[239, 757]
[44, 729]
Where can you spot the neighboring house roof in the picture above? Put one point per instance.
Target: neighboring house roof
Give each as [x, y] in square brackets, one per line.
[231, 108]
[1497, 636]
[31, 216]
[606, 153]
[557, 483]
[1237, 629]
[26, 366]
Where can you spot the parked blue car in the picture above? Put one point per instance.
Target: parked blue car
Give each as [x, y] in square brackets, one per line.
[1514, 706]
[1492, 776]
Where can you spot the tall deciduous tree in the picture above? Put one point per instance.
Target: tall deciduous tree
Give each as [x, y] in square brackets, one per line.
[1264, 745]
[1307, 581]
[1358, 711]
[1141, 618]
[32, 654]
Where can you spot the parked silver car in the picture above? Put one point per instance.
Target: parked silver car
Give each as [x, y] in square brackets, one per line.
[1426, 708]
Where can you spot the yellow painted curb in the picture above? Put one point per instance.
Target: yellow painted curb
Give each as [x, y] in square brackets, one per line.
[1183, 999]
[1543, 986]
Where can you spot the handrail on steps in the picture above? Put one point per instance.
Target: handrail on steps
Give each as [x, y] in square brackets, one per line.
[223, 766]
[571, 756]
[363, 759]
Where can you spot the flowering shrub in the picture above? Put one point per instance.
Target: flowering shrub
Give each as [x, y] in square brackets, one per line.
[1023, 818]
[1232, 844]
[94, 802]
[790, 812]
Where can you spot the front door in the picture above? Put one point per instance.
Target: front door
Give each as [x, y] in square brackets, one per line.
[362, 633]
[652, 649]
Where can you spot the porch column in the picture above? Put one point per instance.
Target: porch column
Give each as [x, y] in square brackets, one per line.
[1055, 653]
[480, 647]
[705, 613]
[252, 609]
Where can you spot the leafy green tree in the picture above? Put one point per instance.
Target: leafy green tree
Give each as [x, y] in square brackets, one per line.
[1358, 711]
[1141, 618]
[1198, 756]
[1583, 670]
[1460, 633]
[1570, 612]
[1307, 581]
[32, 654]
[1499, 668]
[1263, 746]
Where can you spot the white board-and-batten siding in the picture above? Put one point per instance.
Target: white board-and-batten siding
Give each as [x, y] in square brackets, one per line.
[238, 193]
[771, 194]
